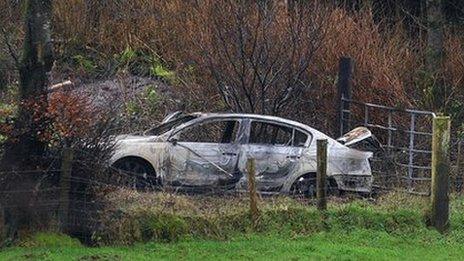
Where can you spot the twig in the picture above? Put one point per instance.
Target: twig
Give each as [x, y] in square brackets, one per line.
[10, 48]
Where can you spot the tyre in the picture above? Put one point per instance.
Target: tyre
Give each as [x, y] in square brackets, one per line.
[306, 185]
[136, 173]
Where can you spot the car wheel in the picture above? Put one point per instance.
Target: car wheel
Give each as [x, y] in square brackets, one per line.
[137, 173]
[332, 188]
[304, 186]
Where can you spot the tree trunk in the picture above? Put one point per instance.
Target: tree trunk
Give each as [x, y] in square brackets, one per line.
[35, 62]
[435, 35]
[435, 50]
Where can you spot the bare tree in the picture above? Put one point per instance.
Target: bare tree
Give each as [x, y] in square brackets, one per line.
[258, 54]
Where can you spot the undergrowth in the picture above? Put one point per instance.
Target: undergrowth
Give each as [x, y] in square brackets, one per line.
[48, 239]
[99, 39]
[138, 217]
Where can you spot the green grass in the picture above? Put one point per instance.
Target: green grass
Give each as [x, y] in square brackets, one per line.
[49, 240]
[391, 228]
[356, 245]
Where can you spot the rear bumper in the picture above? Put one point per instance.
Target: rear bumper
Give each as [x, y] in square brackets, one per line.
[354, 183]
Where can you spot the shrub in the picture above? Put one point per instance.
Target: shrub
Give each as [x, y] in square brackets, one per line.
[163, 227]
[167, 39]
[48, 240]
[389, 56]
[67, 120]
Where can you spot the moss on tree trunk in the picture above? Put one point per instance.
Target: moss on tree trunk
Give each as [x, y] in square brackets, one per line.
[35, 62]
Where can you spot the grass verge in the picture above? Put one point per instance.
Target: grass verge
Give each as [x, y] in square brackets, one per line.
[132, 217]
[359, 244]
[391, 228]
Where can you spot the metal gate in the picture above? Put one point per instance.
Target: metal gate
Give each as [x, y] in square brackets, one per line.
[406, 139]
[405, 136]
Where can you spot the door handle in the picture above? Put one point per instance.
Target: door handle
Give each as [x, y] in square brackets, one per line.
[229, 153]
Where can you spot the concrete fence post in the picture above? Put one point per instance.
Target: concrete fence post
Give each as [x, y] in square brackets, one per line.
[321, 175]
[65, 187]
[439, 216]
[251, 169]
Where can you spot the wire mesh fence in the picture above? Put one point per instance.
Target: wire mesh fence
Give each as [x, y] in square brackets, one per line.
[87, 198]
[82, 203]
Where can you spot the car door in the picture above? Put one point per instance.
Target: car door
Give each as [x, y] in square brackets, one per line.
[277, 150]
[204, 154]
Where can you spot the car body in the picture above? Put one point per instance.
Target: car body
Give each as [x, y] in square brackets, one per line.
[210, 150]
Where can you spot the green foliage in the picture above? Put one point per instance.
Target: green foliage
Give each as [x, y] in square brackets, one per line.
[157, 69]
[152, 98]
[357, 216]
[8, 107]
[455, 109]
[132, 108]
[6, 111]
[127, 56]
[134, 61]
[426, 81]
[84, 63]
[190, 70]
[460, 131]
[163, 227]
[145, 104]
[44, 239]
[143, 63]
[3, 138]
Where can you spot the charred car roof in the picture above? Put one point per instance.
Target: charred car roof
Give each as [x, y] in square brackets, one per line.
[202, 115]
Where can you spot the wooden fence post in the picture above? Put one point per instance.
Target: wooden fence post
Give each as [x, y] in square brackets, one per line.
[251, 169]
[65, 187]
[439, 216]
[321, 174]
[345, 72]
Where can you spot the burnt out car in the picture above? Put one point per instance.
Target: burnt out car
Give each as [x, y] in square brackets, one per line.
[201, 151]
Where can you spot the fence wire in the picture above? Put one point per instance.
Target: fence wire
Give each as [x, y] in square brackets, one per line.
[405, 135]
[38, 196]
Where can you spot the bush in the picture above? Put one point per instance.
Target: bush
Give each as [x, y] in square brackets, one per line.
[32, 198]
[163, 227]
[389, 54]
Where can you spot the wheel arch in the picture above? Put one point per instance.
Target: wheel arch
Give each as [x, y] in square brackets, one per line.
[134, 157]
[331, 181]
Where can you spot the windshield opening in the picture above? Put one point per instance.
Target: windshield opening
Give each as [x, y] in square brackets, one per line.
[165, 127]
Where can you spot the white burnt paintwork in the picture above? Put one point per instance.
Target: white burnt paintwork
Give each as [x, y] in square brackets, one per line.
[278, 167]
